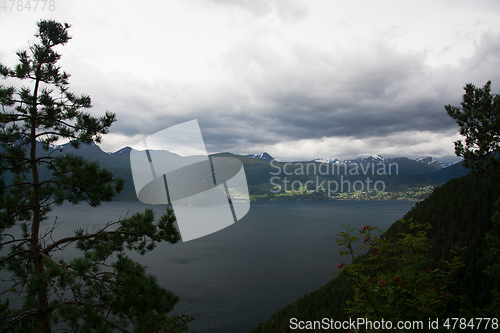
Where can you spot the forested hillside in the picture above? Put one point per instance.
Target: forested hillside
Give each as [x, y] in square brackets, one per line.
[460, 215]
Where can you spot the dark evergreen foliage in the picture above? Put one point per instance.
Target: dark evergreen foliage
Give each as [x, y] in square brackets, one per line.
[479, 121]
[88, 293]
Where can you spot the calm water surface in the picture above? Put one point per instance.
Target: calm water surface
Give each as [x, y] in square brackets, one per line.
[235, 278]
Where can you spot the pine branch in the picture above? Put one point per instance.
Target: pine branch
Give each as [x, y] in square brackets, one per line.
[49, 248]
[19, 318]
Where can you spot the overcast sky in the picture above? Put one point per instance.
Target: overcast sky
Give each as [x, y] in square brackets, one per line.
[299, 79]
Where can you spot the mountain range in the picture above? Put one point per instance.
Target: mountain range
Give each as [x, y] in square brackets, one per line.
[361, 160]
[411, 173]
[94, 150]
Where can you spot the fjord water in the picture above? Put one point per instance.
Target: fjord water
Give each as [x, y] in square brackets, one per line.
[235, 278]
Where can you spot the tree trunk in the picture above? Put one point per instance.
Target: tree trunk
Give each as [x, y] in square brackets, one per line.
[42, 297]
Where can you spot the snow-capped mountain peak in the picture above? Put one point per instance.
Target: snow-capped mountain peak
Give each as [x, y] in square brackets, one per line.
[360, 160]
[430, 161]
[377, 157]
[426, 159]
[264, 156]
[327, 161]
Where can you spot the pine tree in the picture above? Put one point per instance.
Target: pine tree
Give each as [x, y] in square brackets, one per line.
[479, 121]
[88, 293]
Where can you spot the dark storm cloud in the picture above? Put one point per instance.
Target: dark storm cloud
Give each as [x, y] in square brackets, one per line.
[388, 93]
[309, 94]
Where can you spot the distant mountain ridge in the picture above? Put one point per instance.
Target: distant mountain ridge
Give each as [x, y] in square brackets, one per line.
[373, 159]
[448, 164]
[378, 159]
[430, 161]
[409, 173]
[369, 159]
[123, 151]
[94, 150]
[264, 156]
[328, 161]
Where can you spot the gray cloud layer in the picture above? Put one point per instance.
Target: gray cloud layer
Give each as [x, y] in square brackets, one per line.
[312, 94]
[271, 86]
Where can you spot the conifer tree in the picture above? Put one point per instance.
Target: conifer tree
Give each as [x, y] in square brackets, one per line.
[89, 293]
[479, 121]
